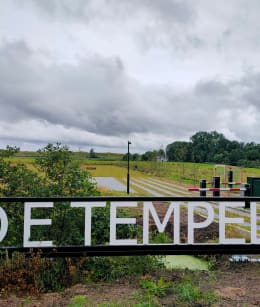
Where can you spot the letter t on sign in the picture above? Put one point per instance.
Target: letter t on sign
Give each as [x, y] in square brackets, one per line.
[88, 207]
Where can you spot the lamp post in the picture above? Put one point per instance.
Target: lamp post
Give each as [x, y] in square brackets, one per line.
[128, 174]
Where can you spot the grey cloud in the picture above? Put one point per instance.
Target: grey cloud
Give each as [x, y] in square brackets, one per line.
[225, 107]
[237, 106]
[170, 10]
[15, 50]
[251, 90]
[179, 26]
[64, 9]
[154, 22]
[212, 88]
[97, 96]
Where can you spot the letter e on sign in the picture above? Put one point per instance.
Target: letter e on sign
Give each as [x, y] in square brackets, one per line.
[4, 224]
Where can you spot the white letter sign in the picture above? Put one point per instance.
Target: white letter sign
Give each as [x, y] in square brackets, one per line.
[28, 222]
[88, 207]
[4, 224]
[148, 207]
[223, 220]
[114, 220]
[192, 225]
[254, 238]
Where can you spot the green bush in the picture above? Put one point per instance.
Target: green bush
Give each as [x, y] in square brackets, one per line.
[157, 288]
[160, 238]
[59, 175]
[111, 268]
[186, 292]
[33, 274]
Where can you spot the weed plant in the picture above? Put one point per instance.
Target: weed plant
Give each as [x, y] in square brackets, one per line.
[158, 288]
[187, 293]
[78, 301]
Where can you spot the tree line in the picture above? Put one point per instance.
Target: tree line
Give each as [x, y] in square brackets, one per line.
[214, 147]
[151, 155]
[205, 147]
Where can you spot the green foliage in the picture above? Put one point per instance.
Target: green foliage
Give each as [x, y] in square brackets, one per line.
[78, 301]
[102, 157]
[214, 147]
[186, 292]
[148, 301]
[114, 304]
[180, 171]
[53, 274]
[26, 301]
[33, 274]
[150, 156]
[92, 154]
[62, 176]
[178, 151]
[59, 175]
[111, 268]
[157, 288]
[17, 180]
[160, 238]
[9, 151]
[153, 155]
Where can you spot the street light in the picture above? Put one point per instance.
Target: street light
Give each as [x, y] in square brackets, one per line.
[128, 174]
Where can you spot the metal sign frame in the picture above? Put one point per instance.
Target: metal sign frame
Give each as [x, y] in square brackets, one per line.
[139, 249]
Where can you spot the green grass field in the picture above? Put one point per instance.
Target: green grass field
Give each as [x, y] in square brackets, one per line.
[108, 171]
[190, 173]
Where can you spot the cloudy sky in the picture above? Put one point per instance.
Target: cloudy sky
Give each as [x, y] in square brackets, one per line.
[97, 73]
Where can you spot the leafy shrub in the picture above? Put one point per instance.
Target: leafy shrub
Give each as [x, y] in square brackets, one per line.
[111, 268]
[59, 175]
[157, 288]
[187, 292]
[160, 238]
[33, 274]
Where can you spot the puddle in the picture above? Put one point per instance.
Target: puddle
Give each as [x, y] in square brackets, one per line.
[185, 262]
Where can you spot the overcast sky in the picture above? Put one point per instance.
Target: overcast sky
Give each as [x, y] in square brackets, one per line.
[97, 73]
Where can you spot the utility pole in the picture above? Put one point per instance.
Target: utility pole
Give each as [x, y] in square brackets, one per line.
[128, 169]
